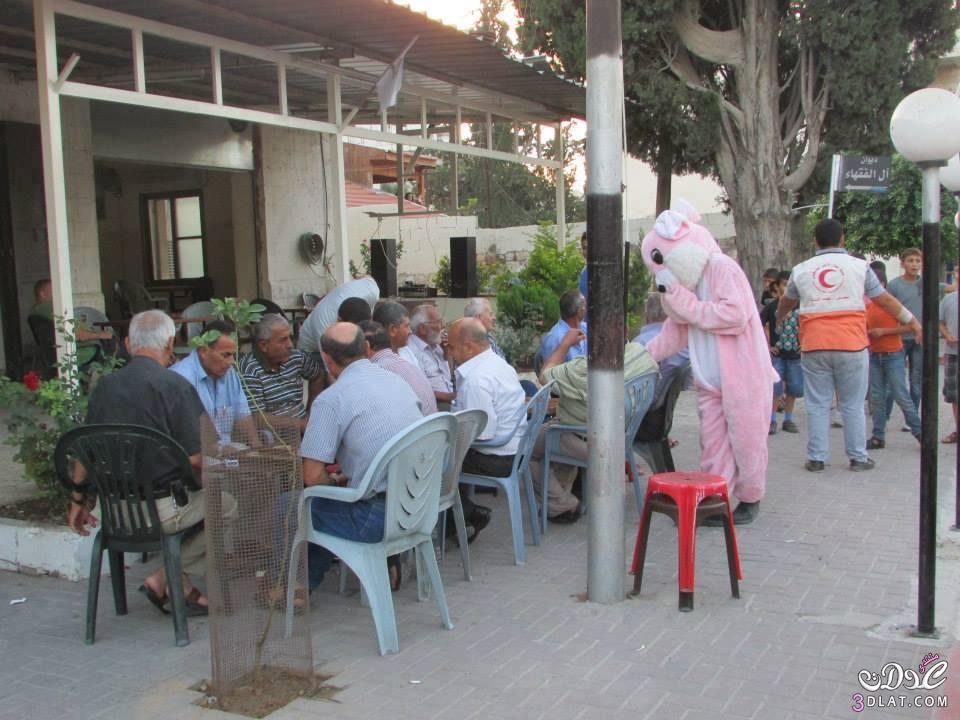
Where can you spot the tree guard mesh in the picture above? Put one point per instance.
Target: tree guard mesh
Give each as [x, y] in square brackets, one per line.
[248, 555]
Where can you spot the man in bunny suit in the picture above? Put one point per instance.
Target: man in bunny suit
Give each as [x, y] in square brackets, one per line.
[711, 309]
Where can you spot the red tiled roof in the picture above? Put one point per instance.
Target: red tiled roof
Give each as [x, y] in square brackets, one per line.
[360, 196]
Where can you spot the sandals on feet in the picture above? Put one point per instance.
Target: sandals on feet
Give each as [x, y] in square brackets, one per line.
[194, 608]
[159, 602]
[950, 439]
[395, 569]
[875, 443]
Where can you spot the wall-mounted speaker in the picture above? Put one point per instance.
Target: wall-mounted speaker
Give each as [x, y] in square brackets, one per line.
[383, 265]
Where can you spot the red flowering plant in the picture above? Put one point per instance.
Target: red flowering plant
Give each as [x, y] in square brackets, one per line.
[37, 412]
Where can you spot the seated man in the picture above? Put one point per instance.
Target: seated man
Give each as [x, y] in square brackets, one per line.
[325, 312]
[144, 392]
[211, 372]
[669, 366]
[573, 308]
[89, 341]
[570, 383]
[485, 381]
[425, 346]
[482, 310]
[349, 422]
[383, 353]
[274, 372]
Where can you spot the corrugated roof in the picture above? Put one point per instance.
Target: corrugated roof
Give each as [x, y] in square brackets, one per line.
[359, 34]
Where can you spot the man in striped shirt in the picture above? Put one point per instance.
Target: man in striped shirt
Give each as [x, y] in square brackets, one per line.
[274, 372]
[382, 353]
[425, 345]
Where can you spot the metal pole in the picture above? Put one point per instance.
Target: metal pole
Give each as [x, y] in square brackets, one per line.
[834, 169]
[926, 589]
[54, 182]
[956, 281]
[605, 555]
[561, 191]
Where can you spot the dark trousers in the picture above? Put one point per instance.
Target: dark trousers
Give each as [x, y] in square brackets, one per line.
[478, 463]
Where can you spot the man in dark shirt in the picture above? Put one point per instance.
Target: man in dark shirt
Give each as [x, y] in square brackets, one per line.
[145, 393]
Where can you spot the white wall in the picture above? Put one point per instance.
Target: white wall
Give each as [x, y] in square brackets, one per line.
[425, 238]
[294, 203]
[641, 181]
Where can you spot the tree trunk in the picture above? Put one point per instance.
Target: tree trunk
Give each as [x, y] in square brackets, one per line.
[763, 241]
[664, 176]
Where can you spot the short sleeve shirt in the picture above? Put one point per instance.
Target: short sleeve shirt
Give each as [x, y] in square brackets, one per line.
[223, 398]
[948, 316]
[278, 392]
[352, 419]
[910, 295]
[145, 393]
[552, 340]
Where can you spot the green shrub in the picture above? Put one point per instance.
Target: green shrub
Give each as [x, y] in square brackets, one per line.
[441, 279]
[550, 266]
[522, 304]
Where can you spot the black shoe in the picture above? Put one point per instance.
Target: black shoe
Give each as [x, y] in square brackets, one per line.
[862, 465]
[479, 517]
[814, 465]
[773, 428]
[745, 514]
[875, 443]
[790, 426]
[566, 518]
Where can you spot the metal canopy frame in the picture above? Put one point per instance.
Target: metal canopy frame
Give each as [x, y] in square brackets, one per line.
[357, 77]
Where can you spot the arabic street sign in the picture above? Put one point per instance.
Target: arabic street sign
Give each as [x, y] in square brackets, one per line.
[864, 172]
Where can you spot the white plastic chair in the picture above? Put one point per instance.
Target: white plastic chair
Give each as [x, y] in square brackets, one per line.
[637, 396]
[414, 460]
[536, 409]
[469, 424]
[309, 300]
[202, 309]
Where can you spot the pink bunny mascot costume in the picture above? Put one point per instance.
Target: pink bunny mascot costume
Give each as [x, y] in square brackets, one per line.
[711, 309]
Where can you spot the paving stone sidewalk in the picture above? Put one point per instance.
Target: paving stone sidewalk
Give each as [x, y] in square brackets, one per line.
[829, 587]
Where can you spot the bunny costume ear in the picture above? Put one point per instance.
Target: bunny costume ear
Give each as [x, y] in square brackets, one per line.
[671, 225]
[684, 208]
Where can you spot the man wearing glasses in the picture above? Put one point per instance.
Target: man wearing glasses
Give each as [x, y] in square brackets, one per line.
[426, 345]
[211, 372]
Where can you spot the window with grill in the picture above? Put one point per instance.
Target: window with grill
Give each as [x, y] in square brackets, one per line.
[175, 234]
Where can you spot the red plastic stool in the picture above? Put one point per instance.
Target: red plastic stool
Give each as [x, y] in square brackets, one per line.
[689, 498]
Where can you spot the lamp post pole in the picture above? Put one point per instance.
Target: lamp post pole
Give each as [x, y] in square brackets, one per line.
[925, 129]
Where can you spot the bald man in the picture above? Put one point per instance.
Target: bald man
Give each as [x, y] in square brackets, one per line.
[349, 422]
[487, 382]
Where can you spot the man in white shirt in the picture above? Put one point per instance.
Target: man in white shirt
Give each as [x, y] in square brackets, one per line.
[427, 326]
[485, 381]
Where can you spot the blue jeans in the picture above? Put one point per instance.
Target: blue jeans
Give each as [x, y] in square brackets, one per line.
[791, 376]
[913, 356]
[361, 521]
[888, 381]
[826, 372]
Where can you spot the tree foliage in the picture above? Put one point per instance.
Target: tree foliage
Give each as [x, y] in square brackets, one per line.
[757, 92]
[505, 194]
[884, 224]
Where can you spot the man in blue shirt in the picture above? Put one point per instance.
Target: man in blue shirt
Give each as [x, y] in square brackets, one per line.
[573, 308]
[211, 372]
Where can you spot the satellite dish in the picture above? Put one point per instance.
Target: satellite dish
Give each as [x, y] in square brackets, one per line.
[311, 248]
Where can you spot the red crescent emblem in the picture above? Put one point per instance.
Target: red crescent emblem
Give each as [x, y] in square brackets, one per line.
[822, 278]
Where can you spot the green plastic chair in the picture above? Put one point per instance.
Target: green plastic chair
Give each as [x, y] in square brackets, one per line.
[118, 459]
[415, 461]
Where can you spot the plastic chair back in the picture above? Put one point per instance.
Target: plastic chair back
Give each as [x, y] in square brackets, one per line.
[119, 460]
[469, 423]
[271, 307]
[658, 422]
[414, 460]
[202, 309]
[637, 397]
[132, 297]
[537, 411]
[309, 300]
[88, 316]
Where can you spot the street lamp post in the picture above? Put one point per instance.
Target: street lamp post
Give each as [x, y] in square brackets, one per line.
[925, 129]
[950, 179]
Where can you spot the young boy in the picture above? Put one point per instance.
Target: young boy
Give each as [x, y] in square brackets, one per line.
[784, 342]
[948, 329]
[908, 289]
[887, 378]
